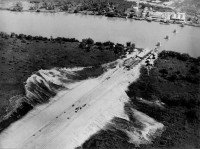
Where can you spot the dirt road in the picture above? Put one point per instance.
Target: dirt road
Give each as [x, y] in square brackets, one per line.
[75, 116]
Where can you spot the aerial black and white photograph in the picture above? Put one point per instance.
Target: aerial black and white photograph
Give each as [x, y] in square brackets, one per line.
[99, 74]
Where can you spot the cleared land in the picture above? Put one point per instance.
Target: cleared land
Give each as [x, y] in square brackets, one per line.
[174, 80]
[76, 115]
[20, 58]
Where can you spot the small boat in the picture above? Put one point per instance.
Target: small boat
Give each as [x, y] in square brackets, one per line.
[165, 23]
[182, 25]
[158, 44]
[174, 31]
[137, 18]
[149, 19]
[167, 37]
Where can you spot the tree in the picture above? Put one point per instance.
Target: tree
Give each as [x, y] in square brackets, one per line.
[173, 77]
[132, 47]
[194, 70]
[128, 44]
[183, 57]
[76, 11]
[89, 41]
[163, 71]
[110, 14]
[118, 48]
[65, 7]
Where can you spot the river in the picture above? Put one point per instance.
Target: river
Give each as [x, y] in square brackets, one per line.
[100, 28]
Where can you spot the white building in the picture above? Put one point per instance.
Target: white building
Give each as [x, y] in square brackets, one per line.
[156, 15]
[156, 1]
[166, 16]
[178, 17]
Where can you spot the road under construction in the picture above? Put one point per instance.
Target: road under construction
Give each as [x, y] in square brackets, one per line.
[82, 111]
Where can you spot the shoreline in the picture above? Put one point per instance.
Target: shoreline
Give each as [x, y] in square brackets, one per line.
[29, 54]
[93, 14]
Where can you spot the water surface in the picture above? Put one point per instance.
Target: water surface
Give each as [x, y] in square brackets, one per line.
[100, 28]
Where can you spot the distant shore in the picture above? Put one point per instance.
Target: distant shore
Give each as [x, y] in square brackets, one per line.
[112, 9]
[94, 14]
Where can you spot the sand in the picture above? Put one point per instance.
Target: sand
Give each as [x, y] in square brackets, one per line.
[77, 113]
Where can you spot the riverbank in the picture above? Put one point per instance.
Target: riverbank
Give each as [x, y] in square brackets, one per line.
[116, 9]
[174, 82]
[162, 22]
[23, 55]
[101, 28]
[169, 93]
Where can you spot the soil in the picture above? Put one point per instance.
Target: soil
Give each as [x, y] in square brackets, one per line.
[174, 80]
[19, 58]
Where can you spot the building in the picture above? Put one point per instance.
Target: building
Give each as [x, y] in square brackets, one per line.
[133, 10]
[156, 15]
[178, 17]
[166, 16]
[156, 1]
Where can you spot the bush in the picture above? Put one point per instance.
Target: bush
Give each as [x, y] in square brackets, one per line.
[98, 43]
[88, 41]
[194, 70]
[192, 115]
[75, 11]
[21, 36]
[183, 57]
[163, 71]
[192, 79]
[110, 14]
[173, 77]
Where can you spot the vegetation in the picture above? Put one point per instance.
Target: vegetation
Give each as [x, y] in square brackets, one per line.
[181, 115]
[175, 82]
[192, 7]
[22, 55]
[17, 7]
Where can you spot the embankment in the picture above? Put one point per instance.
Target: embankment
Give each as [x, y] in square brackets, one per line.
[170, 95]
[22, 56]
[174, 81]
